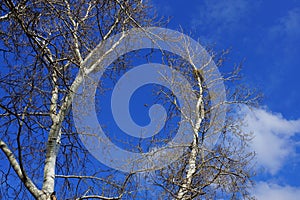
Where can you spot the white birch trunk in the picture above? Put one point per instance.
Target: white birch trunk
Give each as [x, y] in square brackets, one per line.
[187, 183]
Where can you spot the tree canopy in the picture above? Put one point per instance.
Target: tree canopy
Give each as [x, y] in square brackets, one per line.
[44, 47]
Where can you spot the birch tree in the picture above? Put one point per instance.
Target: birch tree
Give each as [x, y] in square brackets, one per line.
[221, 171]
[43, 44]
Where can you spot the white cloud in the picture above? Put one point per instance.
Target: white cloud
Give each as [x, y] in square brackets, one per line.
[272, 137]
[271, 191]
[288, 26]
[219, 16]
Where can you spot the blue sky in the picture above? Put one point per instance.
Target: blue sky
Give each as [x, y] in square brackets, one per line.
[267, 35]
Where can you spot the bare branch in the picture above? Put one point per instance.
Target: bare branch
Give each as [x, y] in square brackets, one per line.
[14, 163]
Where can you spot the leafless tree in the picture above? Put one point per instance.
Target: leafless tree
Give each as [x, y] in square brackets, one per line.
[225, 169]
[43, 46]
